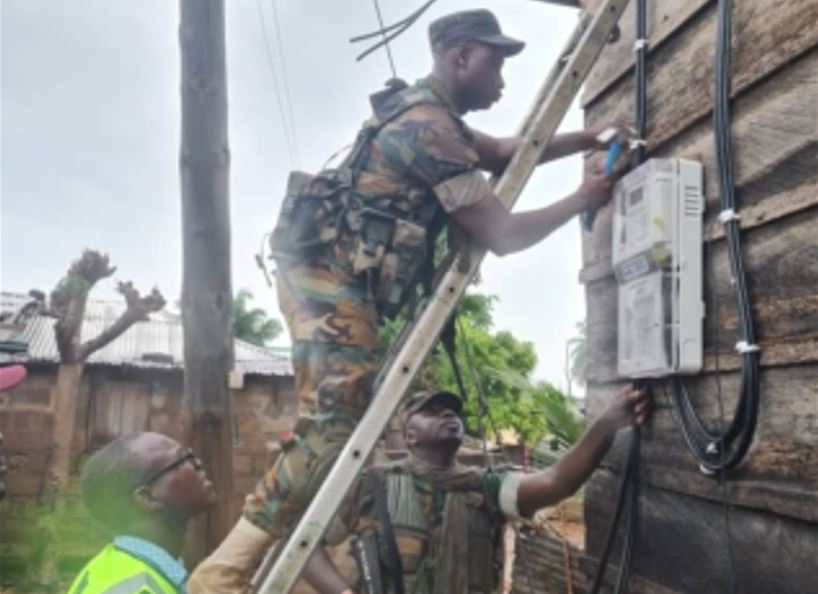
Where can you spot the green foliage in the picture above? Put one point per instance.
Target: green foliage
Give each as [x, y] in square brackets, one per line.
[578, 355]
[503, 367]
[253, 324]
[44, 546]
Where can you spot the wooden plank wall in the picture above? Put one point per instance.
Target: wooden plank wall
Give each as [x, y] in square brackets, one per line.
[774, 494]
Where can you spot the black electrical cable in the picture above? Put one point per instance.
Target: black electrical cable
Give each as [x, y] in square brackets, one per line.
[640, 84]
[386, 43]
[632, 519]
[737, 437]
[624, 493]
[722, 475]
[722, 450]
[628, 492]
[390, 32]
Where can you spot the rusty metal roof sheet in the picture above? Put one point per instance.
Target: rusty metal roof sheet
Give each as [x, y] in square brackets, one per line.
[156, 343]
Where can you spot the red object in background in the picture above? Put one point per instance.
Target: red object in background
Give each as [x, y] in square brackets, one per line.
[10, 376]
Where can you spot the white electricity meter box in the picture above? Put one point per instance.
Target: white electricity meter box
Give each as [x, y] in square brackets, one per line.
[657, 256]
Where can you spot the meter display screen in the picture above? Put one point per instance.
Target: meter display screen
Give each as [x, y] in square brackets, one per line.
[636, 196]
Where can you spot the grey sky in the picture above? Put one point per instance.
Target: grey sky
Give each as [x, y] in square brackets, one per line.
[90, 140]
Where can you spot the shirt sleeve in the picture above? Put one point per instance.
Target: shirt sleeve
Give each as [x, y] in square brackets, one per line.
[437, 151]
[501, 489]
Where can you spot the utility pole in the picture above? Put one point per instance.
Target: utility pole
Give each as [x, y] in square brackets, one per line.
[206, 285]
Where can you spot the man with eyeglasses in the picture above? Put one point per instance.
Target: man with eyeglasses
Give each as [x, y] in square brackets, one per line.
[142, 489]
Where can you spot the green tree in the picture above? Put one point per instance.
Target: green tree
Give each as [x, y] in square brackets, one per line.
[253, 324]
[578, 356]
[503, 366]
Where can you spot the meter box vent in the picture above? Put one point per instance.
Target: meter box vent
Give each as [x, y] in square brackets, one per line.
[657, 257]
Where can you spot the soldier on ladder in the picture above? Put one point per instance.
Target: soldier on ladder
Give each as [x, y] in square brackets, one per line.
[352, 243]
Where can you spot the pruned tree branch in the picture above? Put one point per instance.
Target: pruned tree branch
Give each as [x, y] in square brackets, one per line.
[137, 310]
[67, 302]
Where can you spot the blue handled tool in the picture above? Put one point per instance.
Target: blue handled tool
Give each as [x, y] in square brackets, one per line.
[613, 154]
[610, 160]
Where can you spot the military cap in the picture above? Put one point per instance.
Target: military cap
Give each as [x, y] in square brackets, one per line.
[420, 399]
[472, 25]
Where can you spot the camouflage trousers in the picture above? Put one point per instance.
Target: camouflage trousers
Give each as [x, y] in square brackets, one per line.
[333, 328]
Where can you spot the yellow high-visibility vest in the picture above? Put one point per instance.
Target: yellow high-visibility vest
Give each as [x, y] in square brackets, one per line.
[113, 571]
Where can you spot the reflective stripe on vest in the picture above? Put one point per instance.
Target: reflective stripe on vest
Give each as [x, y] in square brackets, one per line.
[113, 571]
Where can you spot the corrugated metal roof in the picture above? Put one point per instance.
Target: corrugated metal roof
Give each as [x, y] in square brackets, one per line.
[160, 339]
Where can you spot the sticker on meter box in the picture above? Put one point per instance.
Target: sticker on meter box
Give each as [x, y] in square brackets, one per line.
[634, 268]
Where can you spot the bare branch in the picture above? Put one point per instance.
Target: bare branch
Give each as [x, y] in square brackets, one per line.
[137, 310]
[68, 299]
[144, 305]
[92, 266]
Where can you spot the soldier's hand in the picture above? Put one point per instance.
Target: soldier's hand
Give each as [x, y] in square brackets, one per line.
[629, 407]
[620, 131]
[596, 191]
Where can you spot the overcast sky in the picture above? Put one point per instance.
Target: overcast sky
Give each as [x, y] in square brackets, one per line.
[90, 139]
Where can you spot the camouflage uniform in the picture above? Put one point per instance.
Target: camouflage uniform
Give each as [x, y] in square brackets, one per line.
[425, 154]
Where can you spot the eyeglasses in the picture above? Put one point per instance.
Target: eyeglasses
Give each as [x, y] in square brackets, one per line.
[186, 455]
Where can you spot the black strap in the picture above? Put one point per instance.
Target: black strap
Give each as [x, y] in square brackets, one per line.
[387, 530]
[390, 109]
[448, 340]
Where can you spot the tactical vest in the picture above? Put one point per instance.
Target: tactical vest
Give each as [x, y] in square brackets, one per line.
[385, 245]
[418, 543]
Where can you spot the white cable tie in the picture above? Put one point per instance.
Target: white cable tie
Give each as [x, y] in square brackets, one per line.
[743, 347]
[705, 470]
[728, 215]
[637, 142]
[640, 44]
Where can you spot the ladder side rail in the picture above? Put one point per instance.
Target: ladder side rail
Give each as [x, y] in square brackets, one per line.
[551, 78]
[425, 330]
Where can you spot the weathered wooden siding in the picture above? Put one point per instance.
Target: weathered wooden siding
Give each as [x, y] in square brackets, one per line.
[546, 564]
[774, 494]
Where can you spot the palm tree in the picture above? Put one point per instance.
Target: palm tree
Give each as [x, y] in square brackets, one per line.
[253, 325]
[578, 357]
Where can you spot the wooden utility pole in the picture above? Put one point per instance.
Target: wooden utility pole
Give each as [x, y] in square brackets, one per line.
[206, 285]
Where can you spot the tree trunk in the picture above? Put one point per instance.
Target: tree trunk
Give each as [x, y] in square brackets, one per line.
[206, 286]
[64, 407]
[64, 397]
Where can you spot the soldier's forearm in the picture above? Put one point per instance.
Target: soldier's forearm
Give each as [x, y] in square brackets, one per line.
[566, 144]
[496, 153]
[526, 229]
[321, 574]
[568, 474]
[577, 465]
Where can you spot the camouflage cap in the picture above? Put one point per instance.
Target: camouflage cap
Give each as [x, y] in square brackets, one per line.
[420, 399]
[472, 25]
